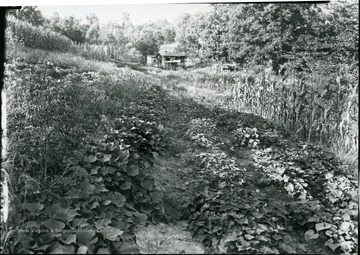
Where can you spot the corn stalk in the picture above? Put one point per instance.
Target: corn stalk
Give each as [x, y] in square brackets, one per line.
[320, 109]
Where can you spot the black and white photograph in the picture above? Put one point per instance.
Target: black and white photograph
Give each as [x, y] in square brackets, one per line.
[179, 127]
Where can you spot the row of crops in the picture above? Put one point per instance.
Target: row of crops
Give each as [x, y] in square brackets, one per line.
[294, 199]
[320, 108]
[317, 108]
[79, 157]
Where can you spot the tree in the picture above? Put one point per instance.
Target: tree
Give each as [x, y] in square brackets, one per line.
[71, 28]
[121, 35]
[191, 32]
[339, 32]
[30, 14]
[54, 22]
[214, 32]
[92, 19]
[147, 44]
[262, 33]
[259, 33]
[184, 35]
[168, 33]
[93, 33]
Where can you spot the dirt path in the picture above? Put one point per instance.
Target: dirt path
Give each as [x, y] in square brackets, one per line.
[175, 174]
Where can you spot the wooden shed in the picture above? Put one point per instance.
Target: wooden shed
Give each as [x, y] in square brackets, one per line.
[167, 60]
[172, 60]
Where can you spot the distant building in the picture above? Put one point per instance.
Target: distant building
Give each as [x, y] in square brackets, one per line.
[152, 60]
[172, 60]
[167, 60]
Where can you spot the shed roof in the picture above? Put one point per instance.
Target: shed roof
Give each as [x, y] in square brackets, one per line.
[172, 54]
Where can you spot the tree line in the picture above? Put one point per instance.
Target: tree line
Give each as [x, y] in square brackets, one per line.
[248, 34]
[260, 33]
[146, 38]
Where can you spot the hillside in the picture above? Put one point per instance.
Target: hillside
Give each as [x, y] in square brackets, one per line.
[121, 149]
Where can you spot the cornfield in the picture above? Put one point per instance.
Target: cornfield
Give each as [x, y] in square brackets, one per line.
[318, 108]
[97, 52]
[25, 34]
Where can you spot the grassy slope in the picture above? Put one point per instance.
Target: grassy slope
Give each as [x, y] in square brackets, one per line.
[63, 60]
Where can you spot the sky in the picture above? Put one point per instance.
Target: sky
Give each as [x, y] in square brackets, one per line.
[139, 13]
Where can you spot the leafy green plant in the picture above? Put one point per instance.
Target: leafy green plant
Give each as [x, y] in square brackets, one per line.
[328, 199]
[145, 137]
[202, 132]
[225, 215]
[246, 137]
[218, 170]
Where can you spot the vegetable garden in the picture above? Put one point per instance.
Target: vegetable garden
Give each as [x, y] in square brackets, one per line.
[96, 153]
